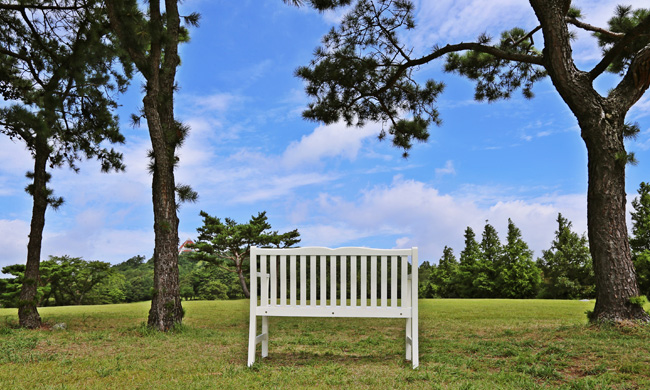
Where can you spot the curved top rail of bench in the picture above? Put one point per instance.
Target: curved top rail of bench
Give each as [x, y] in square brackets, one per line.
[348, 251]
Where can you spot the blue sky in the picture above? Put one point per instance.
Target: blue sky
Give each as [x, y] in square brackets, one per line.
[249, 150]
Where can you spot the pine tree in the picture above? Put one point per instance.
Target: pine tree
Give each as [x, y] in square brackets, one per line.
[365, 73]
[491, 249]
[227, 244]
[57, 63]
[443, 278]
[517, 274]
[151, 41]
[567, 267]
[468, 269]
[640, 240]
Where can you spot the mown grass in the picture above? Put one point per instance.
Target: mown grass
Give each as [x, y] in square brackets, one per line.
[464, 344]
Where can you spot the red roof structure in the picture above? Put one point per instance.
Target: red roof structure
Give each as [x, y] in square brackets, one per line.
[183, 247]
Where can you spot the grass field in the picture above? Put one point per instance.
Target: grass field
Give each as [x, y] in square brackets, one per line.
[464, 344]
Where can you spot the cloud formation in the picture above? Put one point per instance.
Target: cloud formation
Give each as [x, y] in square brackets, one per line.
[413, 213]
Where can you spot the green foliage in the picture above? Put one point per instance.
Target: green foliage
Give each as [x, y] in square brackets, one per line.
[638, 301]
[60, 69]
[72, 279]
[320, 5]
[517, 274]
[138, 279]
[227, 244]
[470, 258]
[496, 78]
[640, 240]
[487, 269]
[442, 279]
[359, 75]
[567, 267]
[623, 22]
[10, 287]
[66, 281]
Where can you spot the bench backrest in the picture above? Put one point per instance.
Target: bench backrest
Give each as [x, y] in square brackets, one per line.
[342, 282]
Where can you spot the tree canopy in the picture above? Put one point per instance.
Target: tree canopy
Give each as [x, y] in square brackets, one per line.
[227, 243]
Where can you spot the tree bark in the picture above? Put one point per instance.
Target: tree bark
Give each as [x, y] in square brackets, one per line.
[242, 280]
[28, 316]
[616, 280]
[166, 310]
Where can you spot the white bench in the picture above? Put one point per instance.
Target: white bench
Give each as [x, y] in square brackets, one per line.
[372, 283]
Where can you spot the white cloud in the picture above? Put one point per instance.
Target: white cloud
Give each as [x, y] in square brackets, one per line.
[416, 214]
[104, 244]
[447, 170]
[441, 22]
[278, 186]
[337, 140]
[13, 241]
[217, 102]
[17, 159]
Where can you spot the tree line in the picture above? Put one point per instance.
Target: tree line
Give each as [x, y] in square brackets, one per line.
[218, 267]
[491, 269]
[69, 280]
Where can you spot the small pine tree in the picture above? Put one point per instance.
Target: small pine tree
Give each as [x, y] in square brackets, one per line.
[517, 275]
[470, 257]
[567, 268]
[491, 250]
[640, 240]
[227, 244]
[443, 278]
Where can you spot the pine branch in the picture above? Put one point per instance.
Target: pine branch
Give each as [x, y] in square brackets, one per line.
[36, 34]
[527, 36]
[620, 46]
[136, 55]
[23, 7]
[635, 82]
[589, 27]
[26, 60]
[526, 58]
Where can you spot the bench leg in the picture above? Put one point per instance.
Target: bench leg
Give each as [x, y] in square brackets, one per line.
[265, 338]
[409, 340]
[415, 343]
[252, 335]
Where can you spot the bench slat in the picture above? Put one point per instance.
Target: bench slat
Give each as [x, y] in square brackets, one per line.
[364, 281]
[393, 281]
[373, 281]
[323, 280]
[353, 281]
[292, 283]
[274, 279]
[333, 280]
[303, 281]
[384, 281]
[283, 280]
[404, 280]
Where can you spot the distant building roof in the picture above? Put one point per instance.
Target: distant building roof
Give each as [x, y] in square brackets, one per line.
[183, 247]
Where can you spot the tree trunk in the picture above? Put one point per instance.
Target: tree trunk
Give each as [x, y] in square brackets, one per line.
[616, 280]
[242, 280]
[28, 316]
[166, 310]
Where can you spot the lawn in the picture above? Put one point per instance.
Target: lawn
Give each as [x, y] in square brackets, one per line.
[464, 344]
